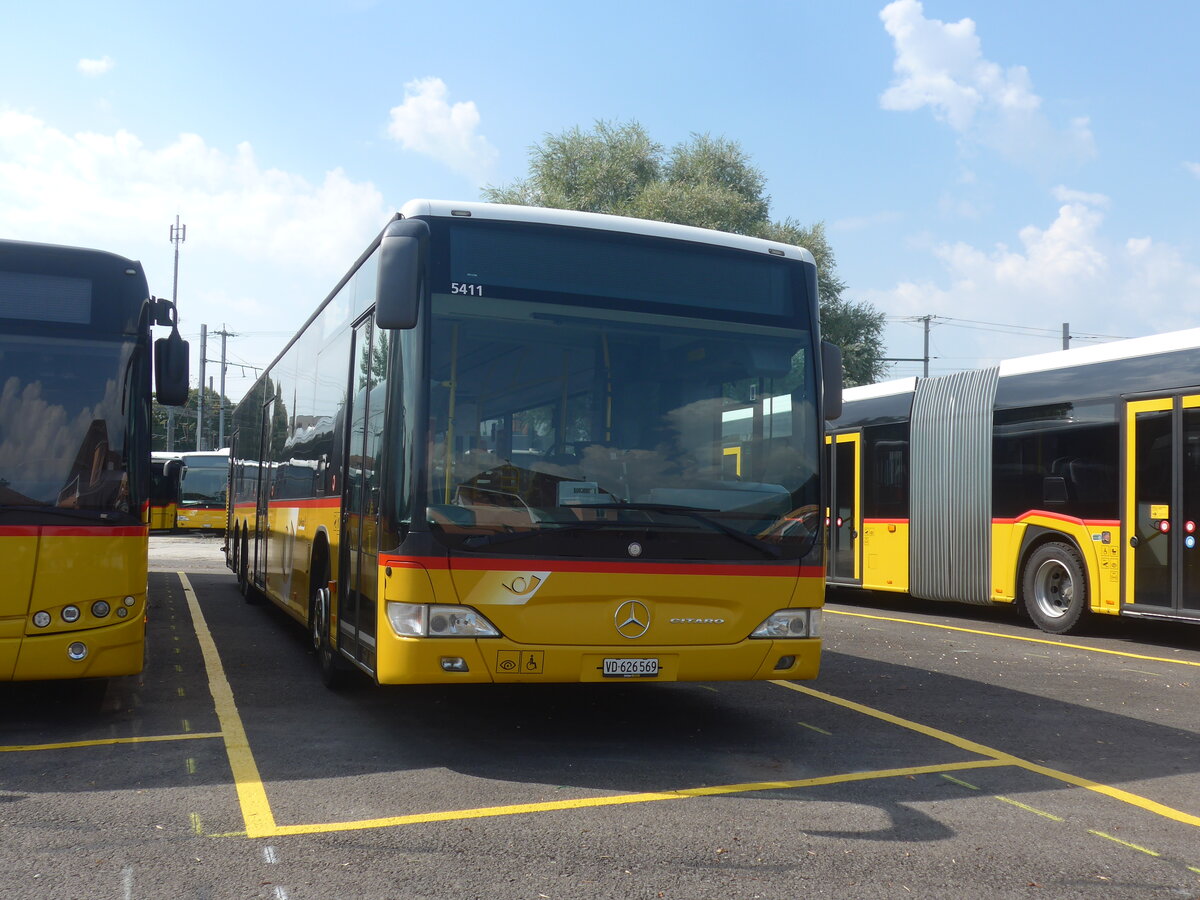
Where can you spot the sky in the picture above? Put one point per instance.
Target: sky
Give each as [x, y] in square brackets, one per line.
[1003, 168]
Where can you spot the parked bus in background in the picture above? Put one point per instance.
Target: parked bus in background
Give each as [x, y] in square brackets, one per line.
[520, 444]
[1066, 483]
[202, 490]
[75, 362]
[165, 470]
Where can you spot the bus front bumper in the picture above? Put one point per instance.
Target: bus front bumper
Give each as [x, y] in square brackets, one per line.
[448, 660]
[108, 651]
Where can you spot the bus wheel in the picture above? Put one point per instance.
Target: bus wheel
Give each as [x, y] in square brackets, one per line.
[243, 572]
[1055, 587]
[333, 670]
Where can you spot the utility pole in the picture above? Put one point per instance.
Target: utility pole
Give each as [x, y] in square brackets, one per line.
[200, 393]
[927, 319]
[1066, 335]
[221, 397]
[178, 235]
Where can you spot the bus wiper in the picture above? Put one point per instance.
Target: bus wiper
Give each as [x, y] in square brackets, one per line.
[475, 541]
[87, 515]
[697, 513]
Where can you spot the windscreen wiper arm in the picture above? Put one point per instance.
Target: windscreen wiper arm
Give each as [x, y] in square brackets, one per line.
[698, 514]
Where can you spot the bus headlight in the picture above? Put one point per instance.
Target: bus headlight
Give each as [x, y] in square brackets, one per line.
[790, 623]
[100, 609]
[41, 618]
[70, 614]
[435, 620]
[77, 651]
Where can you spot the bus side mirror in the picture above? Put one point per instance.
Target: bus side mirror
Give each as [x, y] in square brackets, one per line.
[173, 468]
[171, 369]
[402, 255]
[831, 382]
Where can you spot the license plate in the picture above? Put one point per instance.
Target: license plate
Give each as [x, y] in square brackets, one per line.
[630, 668]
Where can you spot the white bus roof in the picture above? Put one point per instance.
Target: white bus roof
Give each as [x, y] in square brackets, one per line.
[571, 218]
[1188, 339]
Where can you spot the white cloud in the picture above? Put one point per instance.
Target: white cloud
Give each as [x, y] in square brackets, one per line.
[112, 188]
[1192, 167]
[941, 66]
[94, 68]
[264, 246]
[427, 123]
[1067, 271]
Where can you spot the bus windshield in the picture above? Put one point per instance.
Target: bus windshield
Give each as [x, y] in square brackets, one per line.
[64, 409]
[204, 481]
[692, 437]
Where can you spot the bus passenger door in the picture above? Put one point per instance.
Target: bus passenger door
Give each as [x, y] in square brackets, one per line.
[262, 522]
[845, 509]
[358, 575]
[1162, 506]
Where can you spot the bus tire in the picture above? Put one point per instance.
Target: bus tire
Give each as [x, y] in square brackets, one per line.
[1054, 587]
[243, 575]
[334, 670]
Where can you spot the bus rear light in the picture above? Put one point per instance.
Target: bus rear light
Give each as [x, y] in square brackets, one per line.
[434, 620]
[100, 609]
[77, 651]
[790, 623]
[70, 614]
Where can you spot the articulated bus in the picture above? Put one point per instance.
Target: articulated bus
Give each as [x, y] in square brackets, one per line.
[203, 482]
[165, 469]
[75, 362]
[529, 445]
[1067, 483]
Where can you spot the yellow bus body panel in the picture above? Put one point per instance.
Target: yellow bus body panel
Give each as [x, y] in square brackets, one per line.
[162, 518]
[1099, 544]
[566, 624]
[200, 519]
[885, 555]
[18, 556]
[73, 567]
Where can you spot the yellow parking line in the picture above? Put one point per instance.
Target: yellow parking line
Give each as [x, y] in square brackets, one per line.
[1117, 840]
[624, 799]
[252, 796]
[1015, 637]
[101, 742]
[1005, 758]
[1033, 809]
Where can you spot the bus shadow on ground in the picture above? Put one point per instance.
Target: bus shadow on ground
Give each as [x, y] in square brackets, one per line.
[654, 737]
[1173, 635]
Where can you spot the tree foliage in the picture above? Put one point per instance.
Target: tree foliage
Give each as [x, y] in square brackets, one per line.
[183, 420]
[706, 181]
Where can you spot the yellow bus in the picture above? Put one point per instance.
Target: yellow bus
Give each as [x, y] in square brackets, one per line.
[165, 469]
[203, 482]
[1066, 483]
[75, 362]
[530, 445]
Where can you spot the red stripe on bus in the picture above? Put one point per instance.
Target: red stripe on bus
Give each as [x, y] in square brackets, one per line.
[621, 568]
[73, 531]
[315, 503]
[1058, 517]
[1025, 516]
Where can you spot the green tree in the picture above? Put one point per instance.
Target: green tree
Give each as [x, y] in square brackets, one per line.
[183, 419]
[704, 181]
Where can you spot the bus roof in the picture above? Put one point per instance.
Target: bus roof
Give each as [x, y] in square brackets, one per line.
[1150, 345]
[570, 218]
